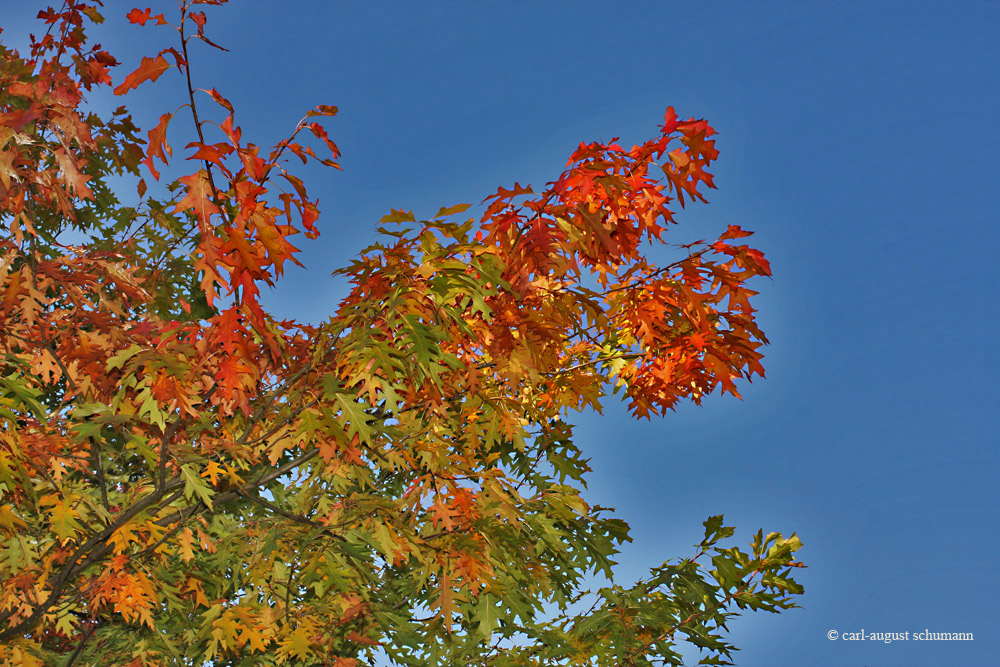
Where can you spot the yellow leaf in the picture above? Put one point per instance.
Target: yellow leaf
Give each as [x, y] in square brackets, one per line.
[226, 630]
[8, 519]
[122, 537]
[259, 637]
[298, 644]
[22, 658]
[62, 515]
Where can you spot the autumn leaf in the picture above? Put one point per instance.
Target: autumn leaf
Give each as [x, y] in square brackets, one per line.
[63, 516]
[158, 146]
[212, 472]
[199, 198]
[75, 181]
[141, 17]
[297, 644]
[150, 69]
[323, 110]
[734, 232]
[194, 486]
[123, 537]
[451, 210]
[187, 543]
[9, 520]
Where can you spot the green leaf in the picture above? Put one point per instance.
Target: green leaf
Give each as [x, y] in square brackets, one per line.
[485, 616]
[195, 485]
[24, 394]
[398, 216]
[118, 360]
[452, 210]
[357, 418]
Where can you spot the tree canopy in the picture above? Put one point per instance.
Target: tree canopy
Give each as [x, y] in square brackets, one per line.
[188, 479]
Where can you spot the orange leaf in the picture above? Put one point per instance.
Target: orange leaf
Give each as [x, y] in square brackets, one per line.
[198, 197]
[212, 472]
[149, 70]
[222, 101]
[213, 153]
[158, 146]
[187, 543]
[71, 174]
[194, 586]
[734, 232]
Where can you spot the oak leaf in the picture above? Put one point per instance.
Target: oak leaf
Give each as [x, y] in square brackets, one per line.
[150, 69]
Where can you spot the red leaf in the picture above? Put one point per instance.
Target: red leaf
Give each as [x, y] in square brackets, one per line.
[149, 70]
[234, 133]
[669, 121]
[321, 134]
[50, 16]
[758, 258]
[140, 18]
[135, 16]
[199, 18]
[255, 166]
[211, 43]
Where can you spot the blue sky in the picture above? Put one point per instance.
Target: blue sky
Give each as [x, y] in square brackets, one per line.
[857, 139]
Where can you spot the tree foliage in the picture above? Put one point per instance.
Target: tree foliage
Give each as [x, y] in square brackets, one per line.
[187, 479]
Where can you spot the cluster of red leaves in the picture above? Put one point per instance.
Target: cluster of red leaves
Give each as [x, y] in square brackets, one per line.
[667, 332]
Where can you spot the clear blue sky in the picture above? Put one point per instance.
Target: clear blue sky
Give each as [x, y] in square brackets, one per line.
[858, 139]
